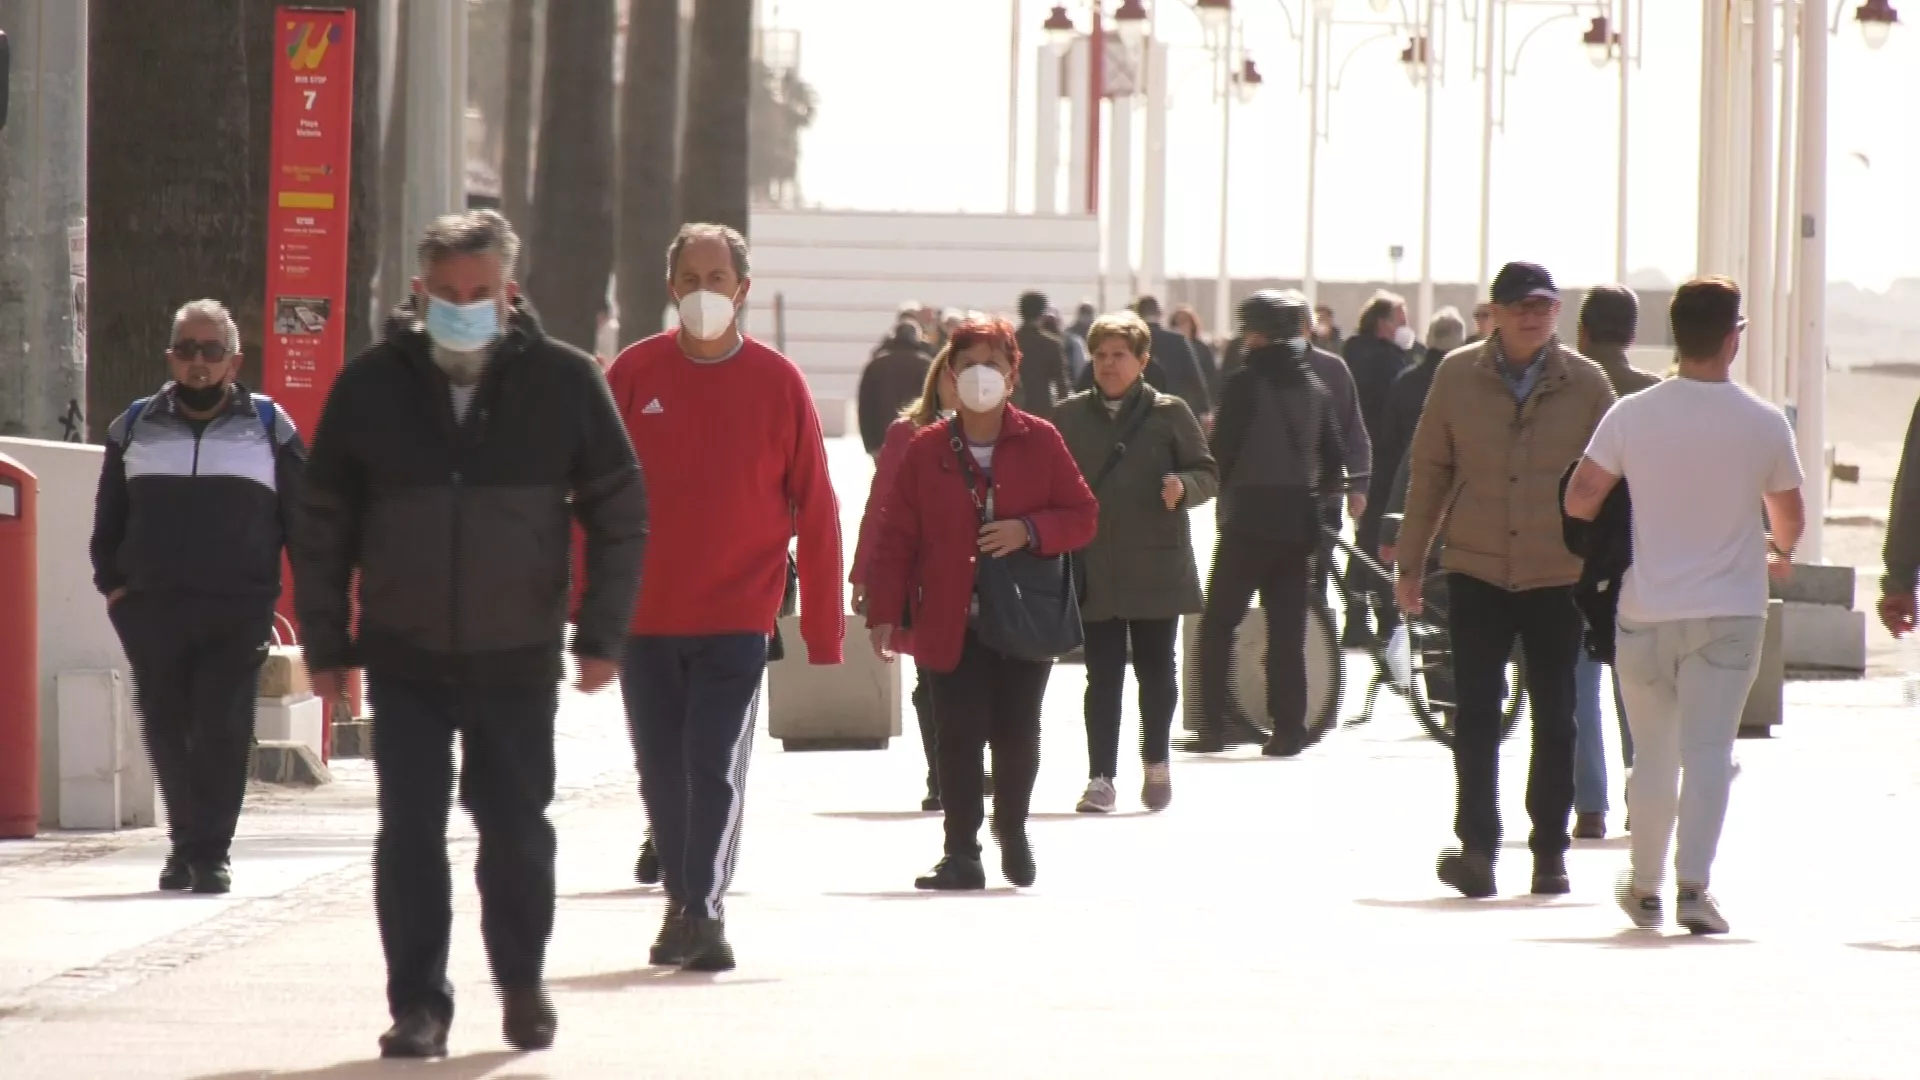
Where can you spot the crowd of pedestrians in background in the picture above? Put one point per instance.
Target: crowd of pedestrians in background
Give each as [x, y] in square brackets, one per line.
[668, 507]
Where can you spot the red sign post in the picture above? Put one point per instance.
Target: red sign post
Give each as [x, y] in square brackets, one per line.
[304, 336]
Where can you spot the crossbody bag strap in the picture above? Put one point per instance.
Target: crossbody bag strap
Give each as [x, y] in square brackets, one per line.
[967, 471]
[1119, 450]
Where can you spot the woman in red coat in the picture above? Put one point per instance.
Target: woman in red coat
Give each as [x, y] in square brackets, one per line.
[928, 542]
[935, 401]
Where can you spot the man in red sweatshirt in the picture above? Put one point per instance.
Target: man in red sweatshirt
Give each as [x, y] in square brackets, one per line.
[730, 444]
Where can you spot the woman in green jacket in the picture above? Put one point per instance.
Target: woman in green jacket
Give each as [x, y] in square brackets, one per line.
[1147, 461]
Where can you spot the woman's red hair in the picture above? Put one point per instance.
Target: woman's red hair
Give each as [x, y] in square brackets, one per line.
[996, 334]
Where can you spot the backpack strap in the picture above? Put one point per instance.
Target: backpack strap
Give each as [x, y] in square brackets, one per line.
[130, 418]
[263, 407]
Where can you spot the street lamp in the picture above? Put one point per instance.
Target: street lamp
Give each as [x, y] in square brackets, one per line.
[1414, 59]
[1247, 83]
[1600, 41]
[1877, 19]
[1131, 22]
[1379, 6]
[1213, 13]
[1060, 31]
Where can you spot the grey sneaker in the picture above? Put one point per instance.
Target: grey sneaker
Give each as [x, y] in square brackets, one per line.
[1100, 797]
[1156, 791]
[1645, 911]
[1698, 913]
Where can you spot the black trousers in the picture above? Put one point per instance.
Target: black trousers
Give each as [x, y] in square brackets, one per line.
[1243, 566]
[506, 784]
[196, 675]
[1485, 619]
[1153, 669]
[929, 741]
[988, 700]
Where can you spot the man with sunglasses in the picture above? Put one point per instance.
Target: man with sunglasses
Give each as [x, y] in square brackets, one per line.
[196, 490]
[1503, 421]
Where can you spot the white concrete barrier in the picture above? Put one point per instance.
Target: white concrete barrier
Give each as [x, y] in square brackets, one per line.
[850, 706]
[74, 632]
[293, 719]
[105, 781]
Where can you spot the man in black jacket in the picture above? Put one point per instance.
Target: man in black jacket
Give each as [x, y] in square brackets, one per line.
[1279, 451]
[196, 490]
[445, 467]
[1044, 377]
[892, 379]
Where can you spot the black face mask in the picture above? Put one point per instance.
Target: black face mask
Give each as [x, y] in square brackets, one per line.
[200, 398]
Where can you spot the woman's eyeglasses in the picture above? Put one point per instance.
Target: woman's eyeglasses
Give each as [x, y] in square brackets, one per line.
[211, 351]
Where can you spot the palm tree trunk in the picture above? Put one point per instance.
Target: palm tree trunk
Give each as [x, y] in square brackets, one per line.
[171, 194]
[713, 172]
[517, 154]
[573, 204]
[649, 166]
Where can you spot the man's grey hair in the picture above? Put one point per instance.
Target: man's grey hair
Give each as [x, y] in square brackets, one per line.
[1446, 331]
[212, 311]
[702, 230]
[475, 232]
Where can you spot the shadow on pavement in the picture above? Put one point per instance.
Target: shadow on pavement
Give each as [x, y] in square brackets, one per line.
[150, 894]
[463, 1067]
[930, 894]
[877, 815]
[1461, 903]
[1646, 939]
[663, 978]
[632, 892]
[1883, 946]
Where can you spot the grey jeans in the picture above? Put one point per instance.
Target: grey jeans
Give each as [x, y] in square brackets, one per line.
[1685, 685]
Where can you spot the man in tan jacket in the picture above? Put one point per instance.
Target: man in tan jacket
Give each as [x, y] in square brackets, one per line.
[1504, 419]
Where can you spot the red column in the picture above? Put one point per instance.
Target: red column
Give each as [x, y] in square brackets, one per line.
[19, 652]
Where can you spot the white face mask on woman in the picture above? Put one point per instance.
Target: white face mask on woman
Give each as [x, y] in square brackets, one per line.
[982, 388]
[1403, 338]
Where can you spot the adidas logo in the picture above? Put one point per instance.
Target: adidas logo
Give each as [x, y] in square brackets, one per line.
[653, 408]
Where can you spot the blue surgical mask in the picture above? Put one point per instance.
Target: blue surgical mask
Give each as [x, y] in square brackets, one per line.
[463, 328]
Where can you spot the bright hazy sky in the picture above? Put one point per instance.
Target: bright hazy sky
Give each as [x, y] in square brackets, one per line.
[913, 106]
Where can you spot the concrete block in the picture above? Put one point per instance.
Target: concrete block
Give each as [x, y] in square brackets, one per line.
[1249, 675]
[1823, 639]
[1766, 700]
[851, 706]
[301, 719]
[291, 763]
[284, 675]
[1829, 585]
[105, 780]
[352, 739]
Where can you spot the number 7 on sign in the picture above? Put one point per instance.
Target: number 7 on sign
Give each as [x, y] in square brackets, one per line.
[311, 95]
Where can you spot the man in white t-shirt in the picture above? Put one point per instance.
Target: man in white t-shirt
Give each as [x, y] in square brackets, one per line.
[1700, 455]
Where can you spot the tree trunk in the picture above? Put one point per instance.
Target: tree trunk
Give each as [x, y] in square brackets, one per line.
[395, 250]
[517, 153]
[649, 166]
[172, 206]
[366, 211]
[573, 204]
[713, 168]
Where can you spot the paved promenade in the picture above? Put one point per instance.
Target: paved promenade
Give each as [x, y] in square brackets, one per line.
[1281, 919]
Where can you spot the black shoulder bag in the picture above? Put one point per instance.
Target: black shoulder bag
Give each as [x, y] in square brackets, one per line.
[1114, 457]
[1028, 609]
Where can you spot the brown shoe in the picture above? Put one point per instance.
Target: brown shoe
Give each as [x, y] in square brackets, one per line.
[527, 1019]
[1590, 825]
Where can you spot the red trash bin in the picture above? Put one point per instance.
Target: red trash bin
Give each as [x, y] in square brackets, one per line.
[19, 651]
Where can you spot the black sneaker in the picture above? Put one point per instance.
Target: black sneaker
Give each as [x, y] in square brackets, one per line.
[527, 1019]
[670, 948]
[416, 1034]
[1284, 745]
[954, 873]
[1016, 860]
[1470, 874]
[176, 875]
[1203, 742]
[646, 870]
[930, 804]
[1550, 876]
[707, 948]
[213, 878]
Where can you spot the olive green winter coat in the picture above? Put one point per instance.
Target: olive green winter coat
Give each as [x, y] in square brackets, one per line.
[1140, 565]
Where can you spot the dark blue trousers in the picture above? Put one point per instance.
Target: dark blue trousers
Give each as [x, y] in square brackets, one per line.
[691, 705]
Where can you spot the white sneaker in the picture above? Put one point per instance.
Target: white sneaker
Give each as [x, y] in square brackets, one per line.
[1156, 791]
[1698, 912]
[1644, 911]
[1099, 798]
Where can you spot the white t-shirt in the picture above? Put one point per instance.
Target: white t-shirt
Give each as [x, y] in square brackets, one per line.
[1697, 457]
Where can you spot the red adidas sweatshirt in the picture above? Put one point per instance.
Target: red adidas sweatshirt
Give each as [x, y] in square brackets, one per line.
[735, 466]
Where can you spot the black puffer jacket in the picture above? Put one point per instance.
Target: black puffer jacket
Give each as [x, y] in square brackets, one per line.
[1278, 448]
[459, 530]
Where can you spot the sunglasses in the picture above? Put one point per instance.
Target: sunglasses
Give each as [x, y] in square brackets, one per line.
[211, 351]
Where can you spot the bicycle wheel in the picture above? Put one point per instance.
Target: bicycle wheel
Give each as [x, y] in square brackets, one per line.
[1247, 700]
[1432, 648]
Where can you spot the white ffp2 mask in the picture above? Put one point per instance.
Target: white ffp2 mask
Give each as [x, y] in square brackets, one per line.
[982, 388]
[1403, 338]
[706, 314]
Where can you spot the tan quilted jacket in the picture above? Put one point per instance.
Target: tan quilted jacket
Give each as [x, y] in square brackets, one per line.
[1484, 472]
